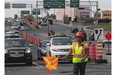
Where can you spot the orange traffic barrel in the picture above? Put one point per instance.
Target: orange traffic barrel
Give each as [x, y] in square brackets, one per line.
[99, 51]
[92, 52]
[31, 39]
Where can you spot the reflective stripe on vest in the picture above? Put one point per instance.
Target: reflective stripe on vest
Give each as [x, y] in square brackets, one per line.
[77, 50]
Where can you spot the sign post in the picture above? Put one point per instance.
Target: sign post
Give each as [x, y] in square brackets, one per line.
[36, 11]
[25, 12]
[74, 3]
[108, 37]
[53, 4]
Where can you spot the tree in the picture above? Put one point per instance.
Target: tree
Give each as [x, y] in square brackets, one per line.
[30, 17]
[52, 16]
[15, 16]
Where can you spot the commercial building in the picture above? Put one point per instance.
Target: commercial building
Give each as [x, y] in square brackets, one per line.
[106, 14]
[72, 13]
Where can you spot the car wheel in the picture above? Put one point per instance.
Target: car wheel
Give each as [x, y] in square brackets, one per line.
[29, 62]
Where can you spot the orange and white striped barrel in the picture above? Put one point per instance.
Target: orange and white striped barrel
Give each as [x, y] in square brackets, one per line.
[99, 51]
[92, 52]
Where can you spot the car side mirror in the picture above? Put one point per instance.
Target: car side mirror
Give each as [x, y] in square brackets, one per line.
[48, 44]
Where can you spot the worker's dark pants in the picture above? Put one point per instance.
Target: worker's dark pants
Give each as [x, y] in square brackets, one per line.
[79, 67]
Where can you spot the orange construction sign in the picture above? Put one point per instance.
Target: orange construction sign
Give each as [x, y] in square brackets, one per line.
[51, 63]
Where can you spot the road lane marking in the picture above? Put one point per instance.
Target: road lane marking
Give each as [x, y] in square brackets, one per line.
[37, 64]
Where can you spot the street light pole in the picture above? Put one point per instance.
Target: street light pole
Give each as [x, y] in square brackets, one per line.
[48, 23]
[97, 13]
[31, 9]
[37, 12]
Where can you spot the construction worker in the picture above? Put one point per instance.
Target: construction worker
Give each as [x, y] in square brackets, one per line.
[80, 54]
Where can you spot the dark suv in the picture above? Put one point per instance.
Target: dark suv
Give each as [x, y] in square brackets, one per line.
[17, 50]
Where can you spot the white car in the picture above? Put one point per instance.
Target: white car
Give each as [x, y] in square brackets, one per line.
[59, 46]
[15, 25]
[13, 31]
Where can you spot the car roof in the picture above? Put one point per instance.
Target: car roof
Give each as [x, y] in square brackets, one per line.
[12, 34]
[61, 36]
[15, 39]
[45, 40]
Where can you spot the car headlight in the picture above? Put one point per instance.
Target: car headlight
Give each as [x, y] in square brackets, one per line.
[28, 50]
[43, 51]
[55, 50]
[6, 51]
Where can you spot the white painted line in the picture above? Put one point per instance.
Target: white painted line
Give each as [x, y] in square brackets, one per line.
[37, 64]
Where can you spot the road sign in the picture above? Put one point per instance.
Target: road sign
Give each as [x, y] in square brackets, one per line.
[108, 36]
[7, 5]
[25, 12]
[98, 34]
[74, 3]
[17, 5]
[36, 11]
[54, 3]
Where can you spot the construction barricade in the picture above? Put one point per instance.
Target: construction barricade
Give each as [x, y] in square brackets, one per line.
[99, 53]
[92, 52]
[32, 39]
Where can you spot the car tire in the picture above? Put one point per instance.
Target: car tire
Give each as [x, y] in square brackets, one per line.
[29, 62]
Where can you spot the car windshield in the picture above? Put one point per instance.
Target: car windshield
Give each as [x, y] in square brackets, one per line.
[15, 23]
[15, 43]
[62, 41]
[44, 43]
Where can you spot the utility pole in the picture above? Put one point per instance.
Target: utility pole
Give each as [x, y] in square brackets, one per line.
[48, 23]
[31, 9]
[37, 12]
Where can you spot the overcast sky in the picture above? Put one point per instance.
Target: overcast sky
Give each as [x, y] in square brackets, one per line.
[103, 5]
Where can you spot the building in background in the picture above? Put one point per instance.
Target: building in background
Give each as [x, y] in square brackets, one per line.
[106, 14]
[72, 13]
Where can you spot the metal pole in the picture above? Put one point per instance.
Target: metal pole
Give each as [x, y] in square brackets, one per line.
[48, 23]
[54, 16]
[54, 11]
[108, 47]
[64, 15]
[36, 12]
[96, 12]
[31, 9]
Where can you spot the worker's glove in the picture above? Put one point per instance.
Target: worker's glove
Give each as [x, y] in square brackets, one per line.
[64, 58]
[82, 60]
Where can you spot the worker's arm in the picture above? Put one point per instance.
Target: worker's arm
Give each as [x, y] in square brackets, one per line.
[85, 53]
[69, 53]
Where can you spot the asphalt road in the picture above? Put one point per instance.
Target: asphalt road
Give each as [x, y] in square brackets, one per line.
[65, 68]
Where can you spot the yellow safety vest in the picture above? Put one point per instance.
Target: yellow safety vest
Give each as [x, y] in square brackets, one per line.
[77, 50]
